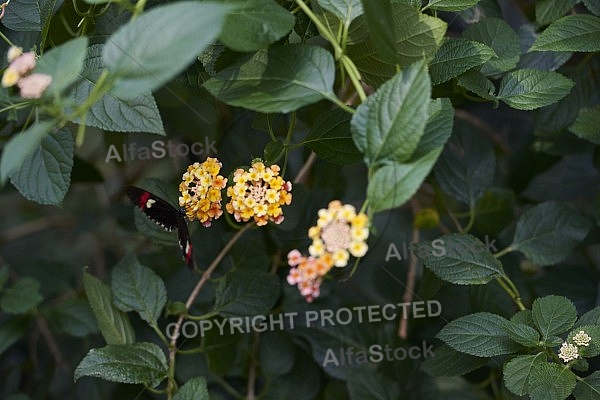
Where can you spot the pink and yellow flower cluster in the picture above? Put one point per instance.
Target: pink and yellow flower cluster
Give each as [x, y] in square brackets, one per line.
[340, 232]
[31, 86]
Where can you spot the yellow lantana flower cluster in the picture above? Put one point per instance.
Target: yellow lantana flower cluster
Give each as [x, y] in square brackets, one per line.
[201, 191]
[258, 193]
[340, 232]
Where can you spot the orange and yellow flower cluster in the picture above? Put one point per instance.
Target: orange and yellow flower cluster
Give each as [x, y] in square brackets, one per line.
[340, 232]
[258, 193]
[201, 191]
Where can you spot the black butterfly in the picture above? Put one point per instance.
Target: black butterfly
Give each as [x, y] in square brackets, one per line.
[165, 215]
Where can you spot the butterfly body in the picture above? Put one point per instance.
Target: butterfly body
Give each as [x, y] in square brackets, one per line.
[166, 216]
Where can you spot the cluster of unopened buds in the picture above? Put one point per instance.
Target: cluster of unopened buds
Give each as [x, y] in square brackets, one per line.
[257, 193]
[570, 351]
[18, 72]
[340, 232]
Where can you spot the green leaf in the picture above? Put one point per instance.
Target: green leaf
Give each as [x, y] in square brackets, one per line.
[389, 124]
[382, 28]
[345, 10]
[528, 89]
[273, 152]
[571, 33]
[547, 11]
[137, 288]
[22, 297]
[593, 6]
[21, 147]
[461, 259]
[63, 63]
[587, 124]
[11, 331]
[416, 36]
[193, 389]
[449, 362]
[494, 210]
[588, 388]
[277, 353]
[125, 363]
[280, 79]
[23, 16]
[523, 334]
[367, 383]
[255, 24]
[111, 113]
[593, 347]
[550, 381]
[73, 317]
[440, 121]
[330, 138]
[542, 60]
[242, 294]
[113, 323]
[518, 370]
[456, 56]
[553, 315]
[591, 317]
[451, 5]
[523, 317]
[548, 232]
[477, 83]
[45, 176]
[479, 334]
[143, 60]
[498, 35]
[393, 184]
[467, 165]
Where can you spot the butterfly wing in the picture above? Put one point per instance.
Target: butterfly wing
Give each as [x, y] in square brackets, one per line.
[165, 215]
[155, 208]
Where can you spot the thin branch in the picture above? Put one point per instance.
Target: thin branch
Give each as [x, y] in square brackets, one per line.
[411, 275]
[51, 342]
[301, 177]
[483, 126]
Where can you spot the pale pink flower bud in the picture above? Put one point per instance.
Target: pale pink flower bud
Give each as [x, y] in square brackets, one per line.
[24, 63]
[34, 85]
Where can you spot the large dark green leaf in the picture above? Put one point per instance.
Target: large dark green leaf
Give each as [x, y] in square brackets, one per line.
[243, 293]
[141, 53]
[571, 33]
[456, 56]
[498, 35]
[280, 79]
[528, 89]
[22, 297]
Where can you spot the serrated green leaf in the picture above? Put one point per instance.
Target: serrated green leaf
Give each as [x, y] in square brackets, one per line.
[477, 83]
[528, 89]
[547, 11]
[242, 294]
[591, 317]
[449, 362]
[593, 6]
[548, 232]
[456, 56]
[63, 63]
[587, 124]
[467, 165]
[22, 297]
[438, 128]
[393, 184]
[588, 388]
[461, 259]
[11, 331]
[523, 317]
[20, 147]
[542, 60]
[24, 15]
[494, 210]
[345, 10]
[523, 334]
[387, 127]
[45, 176]
[550, 381]
[451, 5]
[415, 37]
[255, 24]
[137, 288]
[142, 68]
[498, 35]
[331, 139]
[138, 114]
[125, 363]
[553, 315]
[73, 317]
[280, 79]
[193, 389]
[571, 33]
[517, 371]
[479, 334]
[382, 28]
[113, 323]
[370, 384]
